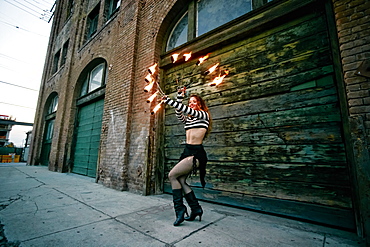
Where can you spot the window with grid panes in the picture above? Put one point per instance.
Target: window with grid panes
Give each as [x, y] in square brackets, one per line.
[94, 79]
[111, 6]
[92, 22]
[202, 16]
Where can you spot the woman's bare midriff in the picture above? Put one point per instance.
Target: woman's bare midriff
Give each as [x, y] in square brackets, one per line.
[195, 136]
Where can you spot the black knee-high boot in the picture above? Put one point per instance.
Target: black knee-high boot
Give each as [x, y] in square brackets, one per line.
[180, 208]
[196, 209]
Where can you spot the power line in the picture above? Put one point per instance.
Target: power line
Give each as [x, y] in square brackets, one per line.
[4, 67]
[43, 4]
[31, 8]
[35, 6]
[22, 28]
[22, 9]
[28, 9]
[17, 105]
[13, 58]
[18, 86]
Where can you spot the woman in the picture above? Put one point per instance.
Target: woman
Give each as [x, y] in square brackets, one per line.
[196, 118]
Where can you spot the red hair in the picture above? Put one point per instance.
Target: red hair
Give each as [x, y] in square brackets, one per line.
[203, 106]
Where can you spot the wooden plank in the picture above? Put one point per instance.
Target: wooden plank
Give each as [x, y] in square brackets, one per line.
[296, 117]
[310, 153]
[229, 172]
[317, 133]
[276, 103]
[303, 192]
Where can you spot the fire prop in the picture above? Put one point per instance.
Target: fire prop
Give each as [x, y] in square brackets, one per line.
[151, 98]
[151, 78]
[202, 59]
[187, 56]
[149, 87]
[152, 69]
[217, 81]
[210, 70]
[174, 58]
[157, 107]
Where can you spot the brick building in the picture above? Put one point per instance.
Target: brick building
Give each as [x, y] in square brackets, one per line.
[291, 120]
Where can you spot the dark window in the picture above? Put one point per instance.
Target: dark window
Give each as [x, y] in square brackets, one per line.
[214, 13]
[49, 130]
[64, 53]
[70, 8]
[56, 62]
[111, 6]
[92, 22]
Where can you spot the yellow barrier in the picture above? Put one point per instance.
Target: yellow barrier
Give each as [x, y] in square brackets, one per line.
[9, 158]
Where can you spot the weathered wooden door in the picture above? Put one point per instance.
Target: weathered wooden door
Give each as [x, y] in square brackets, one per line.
[276, 143]
[87, 140]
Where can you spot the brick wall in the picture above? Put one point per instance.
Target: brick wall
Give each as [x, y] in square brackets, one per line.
[353, 24]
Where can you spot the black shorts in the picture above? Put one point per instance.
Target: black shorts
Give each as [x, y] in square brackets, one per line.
[199, 154]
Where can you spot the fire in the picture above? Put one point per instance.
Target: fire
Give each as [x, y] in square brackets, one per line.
[157, 107]
[202, 59]
[149, 87]
[174, 57]
[210, 70]
[152, 69]
[187, 56]
[149, 78]
[151, 98]
[217, 81]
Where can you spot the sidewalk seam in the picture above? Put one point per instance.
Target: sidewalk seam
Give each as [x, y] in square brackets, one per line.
[198, 230]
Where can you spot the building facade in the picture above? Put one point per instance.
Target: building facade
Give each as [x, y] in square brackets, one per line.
[6, 125]
[290, 120]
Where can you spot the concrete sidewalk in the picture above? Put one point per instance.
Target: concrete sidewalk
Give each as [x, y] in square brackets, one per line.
[44, 208]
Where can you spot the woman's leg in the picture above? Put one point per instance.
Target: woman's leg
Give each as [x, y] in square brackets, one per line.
[185, 187]
[183, 168]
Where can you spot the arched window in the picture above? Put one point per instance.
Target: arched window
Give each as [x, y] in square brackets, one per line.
[202, 16]
[94, 79]
[179, 33]
[53, 106]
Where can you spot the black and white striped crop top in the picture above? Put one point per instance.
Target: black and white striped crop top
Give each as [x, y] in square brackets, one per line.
[195, 119]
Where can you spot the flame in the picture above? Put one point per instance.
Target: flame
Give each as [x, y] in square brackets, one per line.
[152, 69]
[157, 107]
[217, 81]
[174, 57]
[202, 59]
[187, 56]
[149, 87]
[149, 78]
[151, 98]
[210, 70]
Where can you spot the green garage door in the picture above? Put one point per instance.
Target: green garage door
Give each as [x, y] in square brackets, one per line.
[88, 139]
[46, 146]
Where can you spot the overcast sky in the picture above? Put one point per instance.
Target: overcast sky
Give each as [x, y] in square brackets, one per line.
[24, 36]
